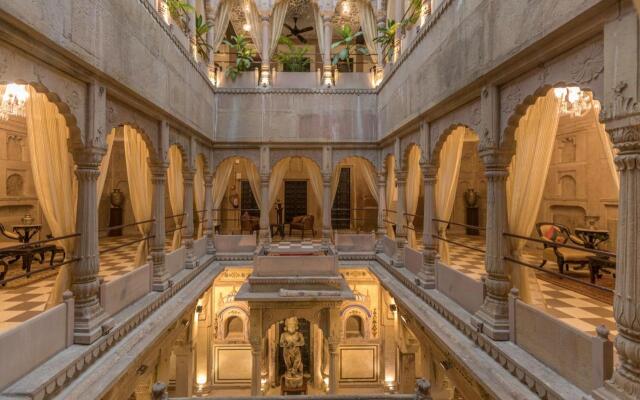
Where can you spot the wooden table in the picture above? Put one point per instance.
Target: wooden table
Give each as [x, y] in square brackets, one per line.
[277, 228]
[592, 237]
[26, 232]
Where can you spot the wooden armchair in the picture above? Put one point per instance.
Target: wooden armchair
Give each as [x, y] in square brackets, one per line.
[560, 234]
[302, 223]
[249, 223]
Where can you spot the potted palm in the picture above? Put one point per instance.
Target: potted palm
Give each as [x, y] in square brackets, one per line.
[202, 47]
[179, 11]
[294, 59]
[244, 56]
[349, 47]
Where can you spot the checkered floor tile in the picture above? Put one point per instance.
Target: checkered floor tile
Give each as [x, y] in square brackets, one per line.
[578, 310]
[21, 302]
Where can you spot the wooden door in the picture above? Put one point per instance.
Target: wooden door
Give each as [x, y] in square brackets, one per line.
[341, 210]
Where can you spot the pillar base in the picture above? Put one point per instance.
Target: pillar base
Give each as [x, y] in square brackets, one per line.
[160, 286]
[87, 332]
[496, 329]
[612, 391]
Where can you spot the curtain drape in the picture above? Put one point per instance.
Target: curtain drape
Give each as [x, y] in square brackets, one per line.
[369, 27]
[54, 178]
[136, 155]
[198, 195]
[253, 176]
[104, 164]
[447, 183]
[535, 138]
[319, 27]
[414, 179]
[220, 182]
[221, 24]
[253, 18]
[390, 195]
[607, 146]
[315, 178]
[277, 22]
[276, 180]
[175, 181]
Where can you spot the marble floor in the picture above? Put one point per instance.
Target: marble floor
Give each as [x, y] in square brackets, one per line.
[27, 297]
[576, 309]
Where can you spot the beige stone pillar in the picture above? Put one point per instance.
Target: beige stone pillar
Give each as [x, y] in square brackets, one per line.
[401, 220]
[187, 238]
[398, 12]
[429, 253]
[382, 205]
[209, 229]
[210, 10]
[265, 232]
[85, 284]
[326, 209]
[335, 334]
[493, 317]
[191, 26]
[265, 67]
[327, 76]
[160, 274]
[184, 369]
[407, 370]
[621, 115]
[255, 338]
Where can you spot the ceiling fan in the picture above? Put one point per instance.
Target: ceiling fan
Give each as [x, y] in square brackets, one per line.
[297, 32]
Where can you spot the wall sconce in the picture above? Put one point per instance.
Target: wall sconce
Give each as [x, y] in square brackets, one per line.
[199, 308]
[393, 308]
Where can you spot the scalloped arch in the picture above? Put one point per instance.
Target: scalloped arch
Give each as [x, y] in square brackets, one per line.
[442, 139]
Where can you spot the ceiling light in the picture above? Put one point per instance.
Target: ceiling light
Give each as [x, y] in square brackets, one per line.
[346, 7]
[13, 101]
[246, 27]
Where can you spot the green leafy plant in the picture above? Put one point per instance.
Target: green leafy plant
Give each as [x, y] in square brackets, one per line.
[387, 34]
[387, 38]
[179, 11]
[294, 59]
[244, 56]
[202, 27]
[349, 46]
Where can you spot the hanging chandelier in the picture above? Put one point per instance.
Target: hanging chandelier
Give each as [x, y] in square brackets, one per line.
[573, 101]
[13, 101]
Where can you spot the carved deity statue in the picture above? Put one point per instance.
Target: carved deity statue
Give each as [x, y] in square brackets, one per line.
[291, 340]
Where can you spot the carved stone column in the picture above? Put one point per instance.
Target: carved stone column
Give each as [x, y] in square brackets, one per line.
[160, 274]
[327, 76]
[335, 334]
[382, 205]
[255, 338]
[85, 284]
[265, 67]
[192, 25]
[401, 220]
[493, 317]
[210, 10]
[208, 205]
[184, 368]
[430, 249]
[407, 370]
[265, 232]
[326, 210]
[625, 382]
[190, 260]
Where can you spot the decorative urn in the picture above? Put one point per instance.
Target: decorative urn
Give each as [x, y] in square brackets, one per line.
[116, 198]
[471, 198]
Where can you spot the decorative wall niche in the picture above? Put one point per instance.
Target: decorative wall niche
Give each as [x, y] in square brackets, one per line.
[14, 147]
[568, 186]
[15, 185]
[567, 147]
[568, 215]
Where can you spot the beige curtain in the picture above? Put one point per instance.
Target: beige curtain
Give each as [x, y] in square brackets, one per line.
[176, 193]
[222, 22]
[414, 180]
[54, 178]
[607, 146]
[104, 164]
[369, 27]
[252, 174]
[136, 156]
[277, 22]
[447, 183]
[535, 138]
[220, 182]
[276, 180]
[198, 194]
[315, 178]
[390, 195]
[369, 176]
[319, 27]
[253, 18]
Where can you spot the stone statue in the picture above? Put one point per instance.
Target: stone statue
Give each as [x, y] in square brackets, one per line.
[291, 340]
[423, 389]
[471, 198]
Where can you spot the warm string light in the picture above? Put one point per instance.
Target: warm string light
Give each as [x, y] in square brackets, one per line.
[13, 101]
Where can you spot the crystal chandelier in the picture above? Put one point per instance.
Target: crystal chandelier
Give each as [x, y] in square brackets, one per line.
[13, 101]
[573, 101]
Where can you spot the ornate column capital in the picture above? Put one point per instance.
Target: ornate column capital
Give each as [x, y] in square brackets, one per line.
[429, 172]
[187, 175]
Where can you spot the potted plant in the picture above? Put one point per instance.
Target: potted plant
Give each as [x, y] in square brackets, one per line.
[348, 43]
[244, 56]
[202, 27]
[179, 11]
[387, 33]
[294, 59]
